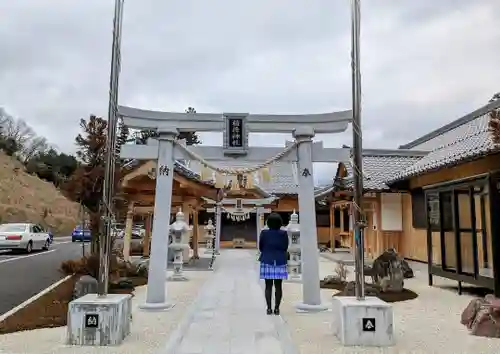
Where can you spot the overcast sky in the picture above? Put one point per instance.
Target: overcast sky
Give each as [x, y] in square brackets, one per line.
[424, 63]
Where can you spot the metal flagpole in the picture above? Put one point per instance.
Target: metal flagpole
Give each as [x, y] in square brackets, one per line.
[357, 152]
[109, 173]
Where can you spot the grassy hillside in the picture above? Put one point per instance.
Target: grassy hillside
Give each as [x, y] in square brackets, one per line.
[26, 198]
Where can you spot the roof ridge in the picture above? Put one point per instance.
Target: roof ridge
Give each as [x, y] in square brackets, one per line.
[454, 124]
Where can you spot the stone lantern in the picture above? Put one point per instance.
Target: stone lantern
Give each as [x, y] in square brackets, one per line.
[179, 230]
[209, 236]
[294, 263]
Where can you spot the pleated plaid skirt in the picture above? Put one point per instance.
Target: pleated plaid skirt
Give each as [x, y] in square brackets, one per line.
[269, 271]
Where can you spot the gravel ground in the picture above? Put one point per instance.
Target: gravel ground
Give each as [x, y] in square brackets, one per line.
[428, 324]
[150, 330]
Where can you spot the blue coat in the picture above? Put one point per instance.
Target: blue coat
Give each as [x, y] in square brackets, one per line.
[273, 246]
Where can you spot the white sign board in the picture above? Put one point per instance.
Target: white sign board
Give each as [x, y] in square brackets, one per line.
[392, 212]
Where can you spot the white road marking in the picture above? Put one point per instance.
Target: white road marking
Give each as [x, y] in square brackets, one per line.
[60, 243]
[33, 298]
[28, 256]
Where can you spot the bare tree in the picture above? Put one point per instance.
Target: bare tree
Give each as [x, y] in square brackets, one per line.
[33, 147]
[16, 130]
[4, 117]
[18, 138]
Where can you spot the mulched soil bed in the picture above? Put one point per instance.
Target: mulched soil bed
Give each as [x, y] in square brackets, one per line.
[51, 309]
[405, 295]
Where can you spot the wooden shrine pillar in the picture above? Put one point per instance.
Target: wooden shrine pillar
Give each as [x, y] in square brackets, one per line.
[147, 237]
[196, 237]
[127, 239]
[332, 225]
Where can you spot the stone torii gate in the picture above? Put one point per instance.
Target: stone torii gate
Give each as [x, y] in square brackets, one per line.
[236, 127]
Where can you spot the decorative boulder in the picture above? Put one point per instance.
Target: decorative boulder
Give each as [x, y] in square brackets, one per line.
[141, 267]
[482, 317]
[85, 285]
[387, 272]
[407, 271]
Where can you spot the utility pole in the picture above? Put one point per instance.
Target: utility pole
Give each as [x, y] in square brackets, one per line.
[109, 173]
[357, 152]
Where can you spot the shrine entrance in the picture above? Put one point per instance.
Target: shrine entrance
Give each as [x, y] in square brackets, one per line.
[232, 167]
[232, 229]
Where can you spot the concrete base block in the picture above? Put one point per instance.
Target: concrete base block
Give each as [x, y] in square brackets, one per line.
[302, 307]
[367, 322]
[99, 321]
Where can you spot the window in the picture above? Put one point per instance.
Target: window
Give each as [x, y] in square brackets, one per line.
[418, 209]
[337, 215]
[438, 203]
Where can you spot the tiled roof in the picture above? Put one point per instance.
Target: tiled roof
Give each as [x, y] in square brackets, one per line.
[179, 167]
[464, 139]
[380, 165]
[188, 173]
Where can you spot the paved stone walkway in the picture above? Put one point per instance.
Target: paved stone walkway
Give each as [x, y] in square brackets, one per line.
[229, 316]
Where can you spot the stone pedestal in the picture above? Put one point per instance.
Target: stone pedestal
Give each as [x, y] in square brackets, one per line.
[294, 263]
[99, 321]
[367, 322]
[178, 251]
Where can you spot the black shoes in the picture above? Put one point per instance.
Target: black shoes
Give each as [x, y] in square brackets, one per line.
[276, 312]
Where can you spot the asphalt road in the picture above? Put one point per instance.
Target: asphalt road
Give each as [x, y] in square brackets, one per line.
[23, 276]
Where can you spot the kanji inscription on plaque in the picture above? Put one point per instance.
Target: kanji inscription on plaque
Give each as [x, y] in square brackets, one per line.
[163, 170]
[235, 137]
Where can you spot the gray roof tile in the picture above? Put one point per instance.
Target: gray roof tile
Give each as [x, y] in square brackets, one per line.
[378, 167]
[464, 141]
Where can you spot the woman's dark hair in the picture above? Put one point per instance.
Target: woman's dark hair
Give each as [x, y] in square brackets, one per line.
[274, 221]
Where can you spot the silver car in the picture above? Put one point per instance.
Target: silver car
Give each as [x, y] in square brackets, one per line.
[23, 236]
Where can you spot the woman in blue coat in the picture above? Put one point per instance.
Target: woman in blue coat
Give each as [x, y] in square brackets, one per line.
[273, 247]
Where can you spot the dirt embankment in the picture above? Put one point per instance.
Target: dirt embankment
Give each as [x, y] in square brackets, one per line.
[27, 198]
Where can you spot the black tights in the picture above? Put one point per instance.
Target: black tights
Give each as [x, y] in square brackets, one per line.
[278, 292]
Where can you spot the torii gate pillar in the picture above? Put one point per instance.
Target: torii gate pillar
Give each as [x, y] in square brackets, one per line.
[311, 295]
[156, 295]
